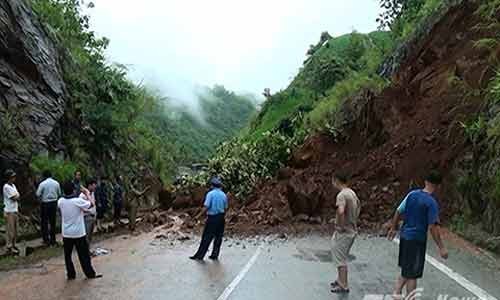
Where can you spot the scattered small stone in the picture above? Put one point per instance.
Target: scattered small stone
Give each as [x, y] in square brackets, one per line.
[315, 220]
[183, 238]
[302, 218]
[161, 236]
[429, 139]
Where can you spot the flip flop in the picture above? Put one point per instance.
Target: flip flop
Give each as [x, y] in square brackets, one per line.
[334, 284]
[339, 290]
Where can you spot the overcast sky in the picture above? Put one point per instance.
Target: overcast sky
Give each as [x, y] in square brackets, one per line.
[244, 45]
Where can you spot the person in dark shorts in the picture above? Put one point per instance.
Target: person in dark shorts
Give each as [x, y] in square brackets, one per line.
[419, 211]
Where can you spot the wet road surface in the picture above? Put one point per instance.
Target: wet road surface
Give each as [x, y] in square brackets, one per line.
[143, 267]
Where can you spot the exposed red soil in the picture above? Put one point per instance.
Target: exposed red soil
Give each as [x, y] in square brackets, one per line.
[392, 139]
[389, 141]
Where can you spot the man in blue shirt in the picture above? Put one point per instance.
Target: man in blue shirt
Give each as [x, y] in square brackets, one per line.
[419, 211]
[215, 207]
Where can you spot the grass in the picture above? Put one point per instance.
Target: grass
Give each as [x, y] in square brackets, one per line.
[354, 50]
[16, 262]
[280, 109]
[324, 111]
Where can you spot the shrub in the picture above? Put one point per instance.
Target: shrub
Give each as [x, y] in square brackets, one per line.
[61, 170]
[321, 116]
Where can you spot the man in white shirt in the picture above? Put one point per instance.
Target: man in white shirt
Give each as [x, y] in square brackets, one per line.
[73, 231]
[11, 207]
[48, 192]
[89, 216]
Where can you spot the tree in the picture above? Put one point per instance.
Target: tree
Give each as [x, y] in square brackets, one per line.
[355, 49]
[267, 93]
[394, 11]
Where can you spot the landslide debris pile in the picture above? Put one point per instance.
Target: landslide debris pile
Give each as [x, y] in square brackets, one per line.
[388, 140]
[391, 139]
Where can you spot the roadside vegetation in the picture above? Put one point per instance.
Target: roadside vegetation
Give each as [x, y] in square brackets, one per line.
[121, 126]
[335, 70]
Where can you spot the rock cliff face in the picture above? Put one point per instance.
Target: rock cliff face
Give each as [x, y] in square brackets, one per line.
[32, 91]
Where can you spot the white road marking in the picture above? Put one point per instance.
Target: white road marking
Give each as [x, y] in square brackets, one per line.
[464, 282]
[230, 288]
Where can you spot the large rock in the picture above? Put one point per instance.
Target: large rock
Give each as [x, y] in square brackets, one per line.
[304, 197]
[189, 198]
[32, 91]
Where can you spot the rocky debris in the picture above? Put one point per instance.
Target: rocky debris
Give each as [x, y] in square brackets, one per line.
[176, 229]
[100, 251]
[189, 198]
[165, 198]
[389, 140]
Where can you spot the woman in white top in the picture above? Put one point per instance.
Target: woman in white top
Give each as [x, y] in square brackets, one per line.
[73, 231]
[11, 207]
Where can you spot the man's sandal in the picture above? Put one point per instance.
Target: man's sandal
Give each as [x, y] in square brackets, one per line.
[339, 290]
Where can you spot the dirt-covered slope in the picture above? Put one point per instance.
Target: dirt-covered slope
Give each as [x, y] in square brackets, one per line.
[389, 140]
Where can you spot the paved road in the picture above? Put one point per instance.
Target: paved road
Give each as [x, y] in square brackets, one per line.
[143, 267]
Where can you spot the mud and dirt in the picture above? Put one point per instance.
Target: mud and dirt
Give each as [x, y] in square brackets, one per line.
[388, 141]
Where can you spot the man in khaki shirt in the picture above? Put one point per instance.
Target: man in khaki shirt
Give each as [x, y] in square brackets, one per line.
[346, 230]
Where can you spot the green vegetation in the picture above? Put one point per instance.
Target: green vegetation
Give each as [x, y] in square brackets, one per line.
[62, 170]
[118, 126]
[12, 262]
[242, 164]
[103, 101]
[10, 139]
[479, 184]
[403, 17]
[224, 114]
[336, 70]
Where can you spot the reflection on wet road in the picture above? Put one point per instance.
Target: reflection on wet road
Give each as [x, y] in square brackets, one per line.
[147, 268]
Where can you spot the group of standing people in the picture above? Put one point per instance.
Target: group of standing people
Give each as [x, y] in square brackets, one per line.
[419, 213]
[49, 192]
[79, 207]
[82, 209]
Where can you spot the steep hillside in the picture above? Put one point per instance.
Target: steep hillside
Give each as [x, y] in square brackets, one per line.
[333, 61]
[334, 69]
[432, 103]
[222, 115]
[64, 107]
[431, 115]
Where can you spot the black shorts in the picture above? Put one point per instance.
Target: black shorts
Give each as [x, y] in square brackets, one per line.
[412, 258]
